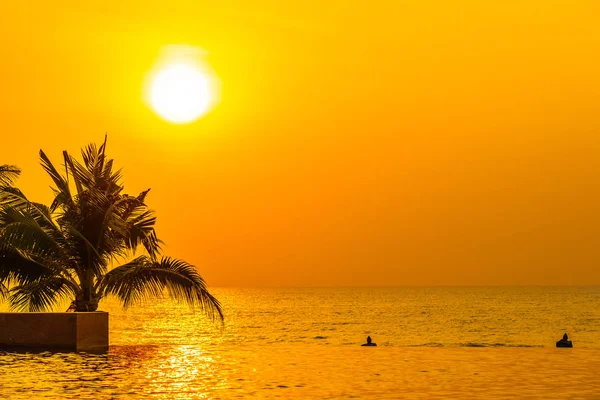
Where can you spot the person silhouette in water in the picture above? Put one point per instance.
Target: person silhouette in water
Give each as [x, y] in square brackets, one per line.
[369, 342]
[564, 342]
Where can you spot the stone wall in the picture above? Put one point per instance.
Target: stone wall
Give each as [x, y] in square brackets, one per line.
[86, 332]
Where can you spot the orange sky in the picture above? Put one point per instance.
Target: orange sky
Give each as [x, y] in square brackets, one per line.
[405, 142]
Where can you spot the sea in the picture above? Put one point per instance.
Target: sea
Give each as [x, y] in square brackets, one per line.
[305, 343]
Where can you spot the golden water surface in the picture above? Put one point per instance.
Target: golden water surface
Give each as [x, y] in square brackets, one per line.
[451, 343]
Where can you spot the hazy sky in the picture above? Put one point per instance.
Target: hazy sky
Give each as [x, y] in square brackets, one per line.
[393, 142]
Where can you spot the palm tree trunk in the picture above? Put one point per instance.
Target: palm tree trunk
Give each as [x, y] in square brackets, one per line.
[86, 305]
[86, 301]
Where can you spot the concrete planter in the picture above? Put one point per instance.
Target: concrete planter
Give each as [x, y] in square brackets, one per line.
[86, 332]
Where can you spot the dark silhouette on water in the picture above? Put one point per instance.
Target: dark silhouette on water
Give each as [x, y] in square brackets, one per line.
[369, 342]
[564, 342]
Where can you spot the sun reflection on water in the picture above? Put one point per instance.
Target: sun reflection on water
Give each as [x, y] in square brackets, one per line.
[188, 372]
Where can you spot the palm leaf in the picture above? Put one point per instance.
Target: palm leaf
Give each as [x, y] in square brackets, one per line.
[84, 250]
[141, 231]
[12, 197]
[18, 268]
[62, 193]
[20, 231]
[41, 294]
[8, 174]
[143, 278]
[3, 291]
[81, 176]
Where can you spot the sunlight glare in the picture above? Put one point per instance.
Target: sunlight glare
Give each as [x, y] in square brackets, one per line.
[181, 89]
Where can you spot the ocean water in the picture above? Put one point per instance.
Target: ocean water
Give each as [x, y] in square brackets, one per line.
[433, 343]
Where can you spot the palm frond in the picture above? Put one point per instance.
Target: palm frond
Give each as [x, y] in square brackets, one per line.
[8, 174]
[81, 176]
[22, 232]
[62, 191]
[93, 157]
[43, 215]
[133, 223]
[10, 196]
[79, 238]
[3, 291]
[40, 295]
[113, 177]
[112, 221]
[90, 157]
[141, 231]
[96, 170]
[13, 198]
[143, 278]
[15, 267]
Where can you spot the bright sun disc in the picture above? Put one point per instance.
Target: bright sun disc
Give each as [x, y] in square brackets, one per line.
[180, 93]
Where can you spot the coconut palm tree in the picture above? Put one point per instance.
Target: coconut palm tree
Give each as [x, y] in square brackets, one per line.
[66, 250]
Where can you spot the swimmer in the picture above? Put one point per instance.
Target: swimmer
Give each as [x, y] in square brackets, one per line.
[369, 342]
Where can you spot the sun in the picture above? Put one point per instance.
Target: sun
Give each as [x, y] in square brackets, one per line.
[180, 93]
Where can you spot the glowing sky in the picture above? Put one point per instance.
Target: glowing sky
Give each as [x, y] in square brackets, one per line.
[413, 142]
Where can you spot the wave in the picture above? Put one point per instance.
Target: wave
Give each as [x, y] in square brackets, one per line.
[471, 344]
[497, 345]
